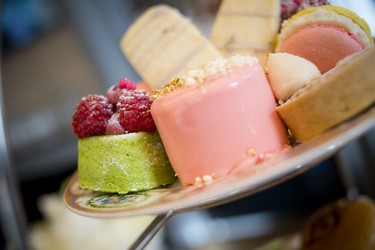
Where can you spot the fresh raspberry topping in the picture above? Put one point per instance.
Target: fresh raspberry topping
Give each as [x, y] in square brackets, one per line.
[125, 83]
[114, 127]
[123, 110]
[134, 111]
[114, 92]
[91, 116]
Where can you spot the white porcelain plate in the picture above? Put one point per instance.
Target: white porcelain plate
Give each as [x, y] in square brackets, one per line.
[281, 167]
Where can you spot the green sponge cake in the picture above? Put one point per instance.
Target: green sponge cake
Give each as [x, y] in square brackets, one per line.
[123, 163]
[119, 148]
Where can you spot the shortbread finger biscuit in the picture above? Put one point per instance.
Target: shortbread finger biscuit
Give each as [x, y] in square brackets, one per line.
[246, 27]
[162, 43]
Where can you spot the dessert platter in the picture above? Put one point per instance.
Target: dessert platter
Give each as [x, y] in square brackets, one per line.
[245, 182]
[225, 117]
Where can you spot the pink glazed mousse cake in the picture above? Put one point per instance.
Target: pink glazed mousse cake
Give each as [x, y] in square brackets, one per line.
[214, 118]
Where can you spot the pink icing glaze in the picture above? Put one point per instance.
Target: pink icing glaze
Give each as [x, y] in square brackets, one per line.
[324, 45]
[208, 129]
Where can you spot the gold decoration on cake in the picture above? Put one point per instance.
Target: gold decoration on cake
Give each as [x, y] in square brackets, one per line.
[174, 84]
[251, 152]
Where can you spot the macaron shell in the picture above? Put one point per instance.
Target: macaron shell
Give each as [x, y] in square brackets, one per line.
[326, 45]
[354, 17]
[325, 15]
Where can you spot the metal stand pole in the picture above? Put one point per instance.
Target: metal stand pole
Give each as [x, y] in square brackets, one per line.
[151, 231]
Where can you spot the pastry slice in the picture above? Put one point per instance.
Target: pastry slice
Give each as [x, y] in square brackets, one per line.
[332, 98]
[246, 27]
[343, 224]
[162, 43]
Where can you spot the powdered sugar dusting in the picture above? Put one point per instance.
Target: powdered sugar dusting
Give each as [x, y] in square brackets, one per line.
[214, 68]
[217, 67]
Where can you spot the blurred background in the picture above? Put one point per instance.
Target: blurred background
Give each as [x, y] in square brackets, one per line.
[56, 51]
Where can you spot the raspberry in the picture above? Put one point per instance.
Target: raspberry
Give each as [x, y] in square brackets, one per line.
[114, 127]
[125, 83]
[91, 116]
[134, 111]
[114, 92]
